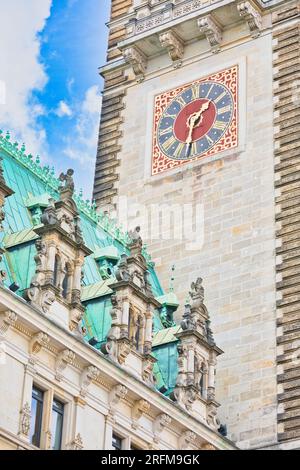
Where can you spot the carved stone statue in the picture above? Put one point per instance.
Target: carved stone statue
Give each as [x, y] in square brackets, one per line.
[182, 365]
[116, 313]
[49, 216]
[135, 236]
[199, 371]
[78, 231]
[68, 181]
[40, 260]
[197, 290]
[188, 322]
[122, 273]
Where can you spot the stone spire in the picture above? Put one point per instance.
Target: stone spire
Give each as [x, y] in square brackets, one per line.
[5, 192]
[129, 341]
[197, 353]
[60, 253]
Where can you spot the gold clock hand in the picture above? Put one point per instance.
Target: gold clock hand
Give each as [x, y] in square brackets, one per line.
[193, 118]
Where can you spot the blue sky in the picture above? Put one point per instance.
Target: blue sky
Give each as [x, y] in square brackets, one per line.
[55, 109]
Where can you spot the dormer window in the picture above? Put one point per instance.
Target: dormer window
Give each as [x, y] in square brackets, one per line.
[107, 259]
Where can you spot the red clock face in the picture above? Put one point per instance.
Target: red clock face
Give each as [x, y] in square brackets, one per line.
[195, 120]
[181, 127]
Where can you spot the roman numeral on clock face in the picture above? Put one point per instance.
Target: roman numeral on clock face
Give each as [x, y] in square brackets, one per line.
[225, 109]
[168, 143]
[220, 125]
[195, 92]
[209, 90]
[168, 115]
[179, 149]
[210, 141]
[181, 101]
[194, 148]
[166, 131]
[220, 97]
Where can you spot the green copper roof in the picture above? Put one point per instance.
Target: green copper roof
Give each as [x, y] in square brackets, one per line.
[33, 185]
[108, 252]
[166, 335]
[33, 201]
[93, 291]
[14, 239]
[168, 299]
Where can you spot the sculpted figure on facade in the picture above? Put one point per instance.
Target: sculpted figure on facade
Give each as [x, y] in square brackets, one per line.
[122, 273]
[49, 216]
[67, 181]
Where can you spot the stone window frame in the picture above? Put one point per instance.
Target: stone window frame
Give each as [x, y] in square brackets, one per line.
[51, 392]
[128, 440]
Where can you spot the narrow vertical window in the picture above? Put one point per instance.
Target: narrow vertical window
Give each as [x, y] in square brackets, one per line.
[57, 424]
[57, 268]
[116, 442]
[37, 401]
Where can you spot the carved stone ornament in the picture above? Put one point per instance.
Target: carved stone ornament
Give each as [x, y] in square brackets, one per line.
[147, 373]
[208, 26]
[140, 407]
[117, 394]
[212, 419]
[64, 358]
[89, 374]
[207, 446]
[67, 182]
[174, 45]
[160, 423]
[135, 237]
[3, 274]
[49, 216]
[251, 14]
[186, 440]
[122, 273]
[25, 420]
[7, 319]
[39, 340]
[77, 443]
[123, 350]
[134, 57]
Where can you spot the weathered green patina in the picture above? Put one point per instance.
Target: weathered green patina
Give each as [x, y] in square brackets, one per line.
[33, 186]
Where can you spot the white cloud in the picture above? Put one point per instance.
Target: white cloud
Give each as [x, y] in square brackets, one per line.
[82, 148]
[21, 70]
[63, 109]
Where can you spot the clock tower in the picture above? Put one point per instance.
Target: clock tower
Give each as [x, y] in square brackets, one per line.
[199, 141]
